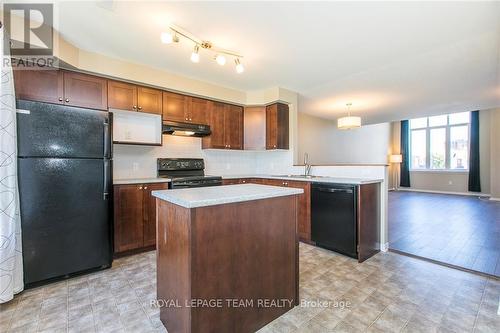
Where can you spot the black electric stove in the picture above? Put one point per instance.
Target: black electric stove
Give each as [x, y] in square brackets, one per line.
[186, 173]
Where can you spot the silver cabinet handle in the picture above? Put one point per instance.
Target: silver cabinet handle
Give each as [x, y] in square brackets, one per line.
[145, 187]
[140, 187]
[140, 107]
[67, 100]
[134, 107]
[60, 99]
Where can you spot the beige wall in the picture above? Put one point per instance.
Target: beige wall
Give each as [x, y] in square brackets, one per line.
[326, 144]
[457, 182]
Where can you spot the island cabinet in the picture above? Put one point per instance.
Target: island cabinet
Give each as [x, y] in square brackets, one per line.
[62, 87]
[277, 126]
[135, 217]
[177, 107]
[304, 200]
[130, 97]
[226, 124]
[210, 259]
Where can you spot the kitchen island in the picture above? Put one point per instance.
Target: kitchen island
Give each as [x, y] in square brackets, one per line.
[227, 257]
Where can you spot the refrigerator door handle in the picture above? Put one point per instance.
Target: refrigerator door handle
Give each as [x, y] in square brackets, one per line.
[106, 178]
[107, 139]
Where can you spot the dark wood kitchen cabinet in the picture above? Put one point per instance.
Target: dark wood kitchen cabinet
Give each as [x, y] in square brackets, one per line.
[122, 96]
[85, 91]
[130, 97]
[39, 85]
[174, 107]
[149, 100]
[186, 109]
[62, 87]
[304, 200]
[226, 124]
[277, 126]
[135, 217]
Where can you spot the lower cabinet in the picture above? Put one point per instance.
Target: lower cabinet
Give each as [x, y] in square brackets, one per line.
[135, 216]
[304, 208]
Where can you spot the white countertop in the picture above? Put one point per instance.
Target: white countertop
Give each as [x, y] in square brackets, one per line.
[140, 181]
[218, 195]
[313, 179]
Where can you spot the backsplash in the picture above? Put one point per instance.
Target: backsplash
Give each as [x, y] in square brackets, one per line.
[140, 161]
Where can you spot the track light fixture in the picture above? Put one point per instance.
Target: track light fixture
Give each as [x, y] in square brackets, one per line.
[239, 67]
[172, 36]
[195, 56]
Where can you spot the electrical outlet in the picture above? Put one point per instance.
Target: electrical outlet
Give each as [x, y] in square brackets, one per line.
[128, 135]
[450, 182]
[228, 166]
[135, 166]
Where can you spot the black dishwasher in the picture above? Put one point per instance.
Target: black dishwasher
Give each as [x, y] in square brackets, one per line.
[333, 217]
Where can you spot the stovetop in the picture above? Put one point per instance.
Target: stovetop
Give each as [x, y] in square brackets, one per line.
[190, 170]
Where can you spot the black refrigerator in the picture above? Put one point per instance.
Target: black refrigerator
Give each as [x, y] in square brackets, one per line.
[65, 185]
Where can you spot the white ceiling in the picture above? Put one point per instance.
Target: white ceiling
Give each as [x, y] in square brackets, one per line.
[392, 60]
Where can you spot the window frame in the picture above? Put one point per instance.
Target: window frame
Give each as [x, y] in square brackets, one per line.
[447, 128]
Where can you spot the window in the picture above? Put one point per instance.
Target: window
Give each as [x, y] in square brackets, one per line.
[440, 142]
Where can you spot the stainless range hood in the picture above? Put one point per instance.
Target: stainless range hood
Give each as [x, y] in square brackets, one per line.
[185, 129]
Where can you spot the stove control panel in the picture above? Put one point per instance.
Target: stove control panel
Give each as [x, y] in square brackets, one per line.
[173, 164]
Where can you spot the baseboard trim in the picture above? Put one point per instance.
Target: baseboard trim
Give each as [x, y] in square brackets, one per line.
[473, 194]
[494, 199]
[384, 247]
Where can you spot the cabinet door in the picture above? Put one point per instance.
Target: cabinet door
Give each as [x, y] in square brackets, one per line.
[277, 126]
[149, 100]
[150, 212]
[129, 219]
[231, 181]
[303, 209]
[174, 107]
[85, 91]
[122, 96]
[216, 121]
[198, 110]
[39, 85]
[272, 127]
[233, 127]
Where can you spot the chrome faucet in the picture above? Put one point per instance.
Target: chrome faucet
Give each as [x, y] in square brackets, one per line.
[307, 166]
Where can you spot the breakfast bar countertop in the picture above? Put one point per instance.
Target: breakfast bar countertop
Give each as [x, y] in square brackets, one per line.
[218, 195]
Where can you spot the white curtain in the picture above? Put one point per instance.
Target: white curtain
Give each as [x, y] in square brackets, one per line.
[11, 263]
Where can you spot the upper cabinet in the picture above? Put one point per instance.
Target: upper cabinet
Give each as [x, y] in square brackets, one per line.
[174, 107]
[177, 107]
[226, 124]
[85, 91]
[198, 110]
[62, 87]
[149, 100]
[39, 85]
[130, 97]
[122, 96]
[277, 126]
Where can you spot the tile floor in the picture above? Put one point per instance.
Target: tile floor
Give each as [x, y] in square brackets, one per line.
[388, 293]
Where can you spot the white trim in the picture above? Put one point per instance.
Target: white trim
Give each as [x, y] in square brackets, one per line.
[384, 247]
[473, 194]
[494, 199]
[440, 170]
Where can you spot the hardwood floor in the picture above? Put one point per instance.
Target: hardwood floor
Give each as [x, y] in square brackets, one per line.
[457, 230]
